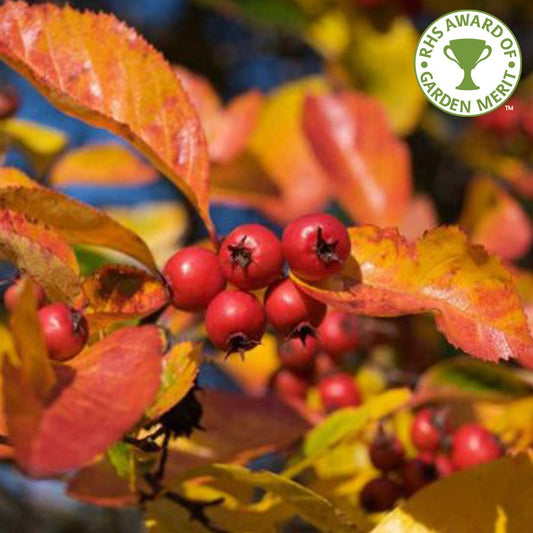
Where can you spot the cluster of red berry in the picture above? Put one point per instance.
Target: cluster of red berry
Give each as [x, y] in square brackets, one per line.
[252, 258]
[65, 330]
[505, 122]
[441, 452]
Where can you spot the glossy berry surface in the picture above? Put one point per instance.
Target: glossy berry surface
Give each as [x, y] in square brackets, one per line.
[416, 474]
[473, 445]
[194, 277]
[316, 246]
[251, 257]
[291, 311]
[338, 390]
[379, 495]
[299, 355]
[235, 321]
[288, 385]
[386, 452]
[11, 295]
[65, 330]
[428, 430]
[339, 333]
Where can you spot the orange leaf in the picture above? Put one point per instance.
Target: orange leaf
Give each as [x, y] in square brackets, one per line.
[72, 220]
[103, 165]
[472, 296]
[227, 128]
[99, 70]
[367, 165]
[42, 253]
[420, 217]
[493, 218]
[98, 396]
[122, 292]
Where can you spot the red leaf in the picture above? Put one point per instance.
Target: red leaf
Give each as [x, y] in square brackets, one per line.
[99, 70]
[368, 166]
[472, 296]
[97, 397]
[240, 427]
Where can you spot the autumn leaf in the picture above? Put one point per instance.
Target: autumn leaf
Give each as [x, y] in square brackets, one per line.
[472, 296]
[103, 165]
[290, 164]
[73, 221]
[42, 253]
[180, 368]
[235, 425]
[420, 216]
[228, 127]
[310, 506]
[368, 167]
[490, 497]
[61, 423]
[99, 70]
[493, 218]
[41, 144]
[380, 60]
[116, 292]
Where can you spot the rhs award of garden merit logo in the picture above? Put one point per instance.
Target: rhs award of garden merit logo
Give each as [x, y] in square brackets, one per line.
[468, 63]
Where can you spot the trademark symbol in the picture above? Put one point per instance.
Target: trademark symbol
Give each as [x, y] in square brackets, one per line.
[509, 107]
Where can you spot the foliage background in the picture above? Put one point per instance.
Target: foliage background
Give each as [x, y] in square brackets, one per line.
[235, 55]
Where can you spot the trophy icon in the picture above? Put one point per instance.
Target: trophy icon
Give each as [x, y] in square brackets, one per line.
[468, 53]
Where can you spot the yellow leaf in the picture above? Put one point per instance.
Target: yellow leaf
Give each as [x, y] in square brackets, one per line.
[495, 497]
[101, 164]
[383, 63]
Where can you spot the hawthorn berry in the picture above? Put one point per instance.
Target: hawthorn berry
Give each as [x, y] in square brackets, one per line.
[65, 330]
[416, 474]
[473, 445]
[379, 494]
[291, 311]
[288, 385]
[251, 257]
[386, 451]
[339, 333]
[338, 390]
[428, 430]
[444, 465]
[316, 246]
[11, 295]
[299, 355]
[324, 365]
[235, 321]
[194, 277]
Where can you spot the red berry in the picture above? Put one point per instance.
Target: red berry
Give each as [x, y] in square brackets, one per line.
[316, 246]
[444, 465]
[291, 311]
[65, 330]
[416, 474]
[386, 451]
[379, 495]
[339, 333]
[235, 321]
[324, 365]
[338, 390]
[11, 295]
[473, 445]
[288, 385]
[250, 257]
[428, 430]
[194, 277]
[298, 355]
[500, 121]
